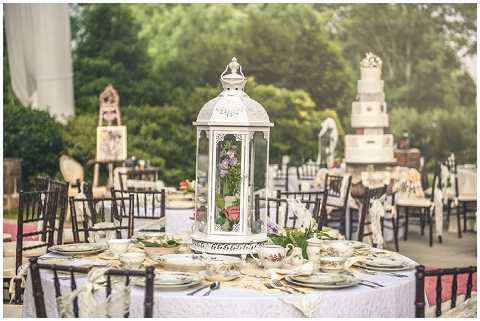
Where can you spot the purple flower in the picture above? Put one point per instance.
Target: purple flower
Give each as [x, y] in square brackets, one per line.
[272, 228]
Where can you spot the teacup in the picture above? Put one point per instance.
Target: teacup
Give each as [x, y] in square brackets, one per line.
[118, 246]
[333, 263]
[222, 270]
[337, 248]
[272, 256]
[132, 260]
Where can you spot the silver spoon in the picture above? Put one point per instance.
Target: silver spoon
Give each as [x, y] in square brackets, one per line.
[214, 286]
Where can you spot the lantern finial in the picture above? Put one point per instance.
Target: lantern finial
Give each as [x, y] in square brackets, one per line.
[234, 65]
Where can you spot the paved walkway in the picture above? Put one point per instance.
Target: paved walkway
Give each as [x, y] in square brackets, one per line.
[452, 252]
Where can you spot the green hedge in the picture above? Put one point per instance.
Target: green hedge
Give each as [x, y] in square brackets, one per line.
[35, 137]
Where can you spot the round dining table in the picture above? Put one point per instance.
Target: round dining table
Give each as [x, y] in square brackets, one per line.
[395, 298]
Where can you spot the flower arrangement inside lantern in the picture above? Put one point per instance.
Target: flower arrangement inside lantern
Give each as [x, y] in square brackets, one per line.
[232, 161]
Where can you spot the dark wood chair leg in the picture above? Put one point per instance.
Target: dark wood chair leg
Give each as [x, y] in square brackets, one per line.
[422, 222]
[449, 205]
[405, 236]
[464, 216]
[430, 228]
[459, 226]
[395, 233]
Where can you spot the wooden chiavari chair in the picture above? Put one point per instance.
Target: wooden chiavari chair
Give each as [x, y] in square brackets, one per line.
[74, 272]
[335, 201]
[307, 172]
[280, 177]
[274, 206]
[421, 206]
[370, 195]
[468, 203]
[34, 207]
[146, 204]
[86, 212]
[310, 196]
[420, 275]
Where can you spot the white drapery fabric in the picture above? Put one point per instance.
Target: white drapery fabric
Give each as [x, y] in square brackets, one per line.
[39, 55]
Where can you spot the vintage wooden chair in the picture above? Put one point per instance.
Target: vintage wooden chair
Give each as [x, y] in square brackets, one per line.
[275, 206]
[280, 177]
[335, 201]
[307, 173]
[424, 207]
[34, 207]
[310, 196]
[146, 204]
[74, 272]
[420, 275]
[467, 201]
[86, 212]
[370, 195]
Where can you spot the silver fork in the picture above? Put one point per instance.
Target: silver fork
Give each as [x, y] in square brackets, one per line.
[272, 287]
[279, 284]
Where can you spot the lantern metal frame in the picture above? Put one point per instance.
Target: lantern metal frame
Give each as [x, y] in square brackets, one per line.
[232, 113]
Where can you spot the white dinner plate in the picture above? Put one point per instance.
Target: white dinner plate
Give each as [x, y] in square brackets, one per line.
[332, 281]
[164, 282]
[78, 248]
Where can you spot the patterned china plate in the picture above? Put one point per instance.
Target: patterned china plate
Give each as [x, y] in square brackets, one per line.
[386, 263]
[78, 248]
[324, 280]
[164, 281]
[190, 262]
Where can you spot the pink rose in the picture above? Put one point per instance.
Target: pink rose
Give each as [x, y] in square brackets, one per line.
[232, 213]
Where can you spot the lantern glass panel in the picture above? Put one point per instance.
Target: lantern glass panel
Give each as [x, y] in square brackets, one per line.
[257, 182]
[228, 183]
[201, 194]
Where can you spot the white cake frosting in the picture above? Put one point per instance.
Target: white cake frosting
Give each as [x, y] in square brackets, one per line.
[369, 149]
[367, 114]
[369, 118]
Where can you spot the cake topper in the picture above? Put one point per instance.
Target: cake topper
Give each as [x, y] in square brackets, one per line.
[371, 61]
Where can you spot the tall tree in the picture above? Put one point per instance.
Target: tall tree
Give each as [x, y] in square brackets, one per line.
[107, 49]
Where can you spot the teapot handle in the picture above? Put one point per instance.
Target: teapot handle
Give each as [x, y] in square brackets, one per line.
[289, 245]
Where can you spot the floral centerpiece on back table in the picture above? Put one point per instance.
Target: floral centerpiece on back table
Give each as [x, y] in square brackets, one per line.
[227, 200]
[299, 236]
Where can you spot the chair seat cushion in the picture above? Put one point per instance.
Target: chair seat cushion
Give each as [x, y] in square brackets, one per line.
[414, 202]
[467, 198]
[12, 311]
[10, 249]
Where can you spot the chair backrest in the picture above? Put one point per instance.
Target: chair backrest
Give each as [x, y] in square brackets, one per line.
[420, 275]
[467, 186]
[307, 171]
[310, 196]
[74, 272]
[336, 192]
[280, 177]
[44, 183]
[146, 204]
[274, 206]
[71, 169]
[35, 207]
[370, 195]
[86, 212]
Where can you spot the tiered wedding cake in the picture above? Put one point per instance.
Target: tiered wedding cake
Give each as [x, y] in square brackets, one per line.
[369, 145]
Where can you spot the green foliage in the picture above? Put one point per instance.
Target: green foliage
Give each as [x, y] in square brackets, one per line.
[439, 132]
[35, 137]
[421, 69]
[107, 50]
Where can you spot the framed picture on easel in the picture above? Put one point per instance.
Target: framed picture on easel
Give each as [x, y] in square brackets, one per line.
[111, 143]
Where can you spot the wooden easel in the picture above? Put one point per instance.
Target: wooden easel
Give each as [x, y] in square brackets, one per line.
[109, 115]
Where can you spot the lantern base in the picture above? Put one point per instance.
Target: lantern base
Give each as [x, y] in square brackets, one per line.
[230, 245]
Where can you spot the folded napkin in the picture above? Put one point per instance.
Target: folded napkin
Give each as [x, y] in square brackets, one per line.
[305, 269]
[304, 303]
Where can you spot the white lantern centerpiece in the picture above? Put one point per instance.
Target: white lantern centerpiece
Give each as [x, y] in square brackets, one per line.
[231, 170]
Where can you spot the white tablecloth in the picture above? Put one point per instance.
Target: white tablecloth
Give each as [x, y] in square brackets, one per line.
[178, 220]
[395, 299]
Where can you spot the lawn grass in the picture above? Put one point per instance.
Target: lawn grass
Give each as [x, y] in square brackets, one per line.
[10, 214]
